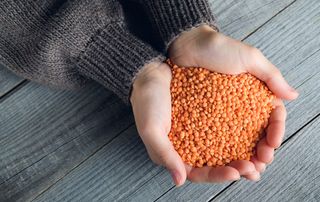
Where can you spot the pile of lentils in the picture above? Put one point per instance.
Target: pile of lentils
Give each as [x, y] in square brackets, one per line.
[217, 118]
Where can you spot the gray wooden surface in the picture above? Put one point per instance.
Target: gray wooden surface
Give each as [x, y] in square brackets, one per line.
[43, 145]
[83, 146]
[8, 81]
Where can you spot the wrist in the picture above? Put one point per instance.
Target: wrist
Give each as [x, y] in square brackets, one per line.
[150, 73]
[145, 72]
[200, 30]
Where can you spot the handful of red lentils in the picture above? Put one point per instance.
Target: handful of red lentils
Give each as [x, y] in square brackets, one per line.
[217, 118]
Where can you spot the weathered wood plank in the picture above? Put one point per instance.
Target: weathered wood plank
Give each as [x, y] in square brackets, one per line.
[106, 175]
[157, 189]
[293, 176]
[240, 18]
[46, 132]
[7, 80]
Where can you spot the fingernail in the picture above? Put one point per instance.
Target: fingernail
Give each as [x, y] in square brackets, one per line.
[176, 177]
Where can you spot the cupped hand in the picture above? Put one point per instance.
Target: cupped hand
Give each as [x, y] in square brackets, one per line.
[151, 104]
[204, 47]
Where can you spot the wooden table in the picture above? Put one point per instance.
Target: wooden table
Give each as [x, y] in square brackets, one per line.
[83, 146]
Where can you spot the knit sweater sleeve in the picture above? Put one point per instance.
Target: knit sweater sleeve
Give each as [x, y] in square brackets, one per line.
[172, 17]
[114, 56]
[65, 44]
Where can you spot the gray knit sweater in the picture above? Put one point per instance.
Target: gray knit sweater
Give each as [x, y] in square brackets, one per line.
[64, 43]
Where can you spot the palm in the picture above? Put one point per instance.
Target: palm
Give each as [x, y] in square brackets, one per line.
[151, 102]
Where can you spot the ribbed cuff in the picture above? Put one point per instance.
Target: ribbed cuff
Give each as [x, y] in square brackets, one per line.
[171, 17]
[113, 57]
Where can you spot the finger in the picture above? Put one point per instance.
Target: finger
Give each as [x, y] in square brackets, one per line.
[255, 176]
[213, 174]
[264, 151]
[160, 148]
[244, 167]
[267, 72]
[276, 125]
[260, 166]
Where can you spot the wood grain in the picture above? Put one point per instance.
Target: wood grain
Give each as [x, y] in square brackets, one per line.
[238, 18]
[151, 184]
[294, 175]
[7, 80]
[46, 132]
[108, 175]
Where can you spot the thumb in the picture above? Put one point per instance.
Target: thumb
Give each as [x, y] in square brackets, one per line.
[162, 152]
[175, 166]
[267, 72]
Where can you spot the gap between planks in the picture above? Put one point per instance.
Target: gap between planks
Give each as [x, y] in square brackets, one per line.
[14, 89]
[60, 147]
[81, 162]
[275, 15]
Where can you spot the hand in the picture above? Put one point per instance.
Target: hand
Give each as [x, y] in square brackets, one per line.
[204, 47]
[151, 103]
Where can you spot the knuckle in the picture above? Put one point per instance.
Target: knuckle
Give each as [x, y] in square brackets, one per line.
[163, 157]
[155, 160]
[153, 156]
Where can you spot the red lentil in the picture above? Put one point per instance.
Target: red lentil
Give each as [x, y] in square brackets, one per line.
[217, 118]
